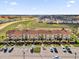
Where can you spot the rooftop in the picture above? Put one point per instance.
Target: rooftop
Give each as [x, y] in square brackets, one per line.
[18, 32]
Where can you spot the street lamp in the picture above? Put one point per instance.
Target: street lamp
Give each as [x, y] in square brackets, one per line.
[23, 51]
[23, 54]
[75, 55]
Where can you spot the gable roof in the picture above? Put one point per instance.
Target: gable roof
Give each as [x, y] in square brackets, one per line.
[19, 33]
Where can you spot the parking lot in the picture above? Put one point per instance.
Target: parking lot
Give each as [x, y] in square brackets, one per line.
[24, 53]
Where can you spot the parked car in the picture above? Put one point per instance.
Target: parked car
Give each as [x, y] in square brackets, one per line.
[64, 49]
[68, 49]
[5, 50]
[31, 50]
[51, 50]
[11, 49]
[56, 57]
[55, 50]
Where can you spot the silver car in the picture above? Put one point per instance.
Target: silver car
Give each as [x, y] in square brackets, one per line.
[56, 57]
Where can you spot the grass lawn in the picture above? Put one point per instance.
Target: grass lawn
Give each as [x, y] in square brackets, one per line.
[45, 25]
[1, 46]
[3, 19]
[76, 45]
[37, 49]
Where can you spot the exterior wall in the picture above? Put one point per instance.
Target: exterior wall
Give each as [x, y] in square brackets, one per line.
[24, 36]
[28, 36]
[48, 36]
[44, 36]
[66, 36]
[37, 36]
[52, 37]
[31, 36]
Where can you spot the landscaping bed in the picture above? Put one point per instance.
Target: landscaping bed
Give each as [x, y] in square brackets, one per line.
[37, 50]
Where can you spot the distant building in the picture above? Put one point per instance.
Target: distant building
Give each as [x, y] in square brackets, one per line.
[59, 19]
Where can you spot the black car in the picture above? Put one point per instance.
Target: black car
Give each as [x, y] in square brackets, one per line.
[11, 50]
[5, 50]
[55, 50]
[68, 49]
[31, 50]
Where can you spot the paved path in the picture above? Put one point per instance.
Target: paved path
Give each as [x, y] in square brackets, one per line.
[7, 24]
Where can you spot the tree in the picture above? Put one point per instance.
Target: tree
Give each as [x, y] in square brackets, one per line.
[59, 38]
[41, 38]
[33, 40]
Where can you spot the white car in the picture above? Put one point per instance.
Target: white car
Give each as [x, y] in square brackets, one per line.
[64, 49]
[56, 57]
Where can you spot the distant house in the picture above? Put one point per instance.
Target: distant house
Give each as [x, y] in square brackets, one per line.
[37, 34]
[59, 19]
[14, 34]
[6, 17]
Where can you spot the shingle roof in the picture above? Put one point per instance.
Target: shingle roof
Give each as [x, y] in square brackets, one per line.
[18, 32]
[14, 32]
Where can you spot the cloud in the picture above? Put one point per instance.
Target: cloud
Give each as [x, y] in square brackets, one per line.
[70, 3]
[13, 3]
[5, 1]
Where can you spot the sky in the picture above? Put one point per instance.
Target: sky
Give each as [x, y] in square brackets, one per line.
[38, 7]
